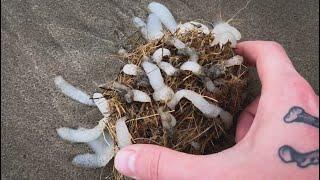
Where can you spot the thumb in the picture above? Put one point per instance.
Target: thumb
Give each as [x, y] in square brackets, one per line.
[246, 118]
[142, 161]
[153, 162]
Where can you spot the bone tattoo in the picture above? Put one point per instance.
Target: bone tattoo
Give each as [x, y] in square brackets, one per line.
[287, 153]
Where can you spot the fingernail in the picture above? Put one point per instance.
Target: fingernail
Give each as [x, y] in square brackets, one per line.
[125, 162]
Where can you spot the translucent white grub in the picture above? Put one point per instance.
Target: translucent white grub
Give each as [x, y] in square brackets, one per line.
[192, 66]
[183, 49]
[234, 61]
[132, 69]
[164, 15]
[122, 132]
[82, 134]
[140, 96]
[163, 94]
[193, 55]
[168, 68]
[167, 119]
[177, 43]
[223, 39]
[161, 91]
[208, 83]
[209, 110]
[138, 22]
[141, 25]
[226, 118]
[223, 27]
[223, 33]
[102, 104]
[192, 25]
[120, 87]
[104, 152]
[73, 92]
[159, 54]
[154, 27]
[132, 94]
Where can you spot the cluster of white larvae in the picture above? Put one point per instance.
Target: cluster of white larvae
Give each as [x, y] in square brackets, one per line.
[99, 140]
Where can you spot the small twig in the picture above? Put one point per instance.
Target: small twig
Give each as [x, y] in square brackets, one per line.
[200, 134]
[104, 137]
[210, 98]
[145, 117]
[146, 139]
[101, 172]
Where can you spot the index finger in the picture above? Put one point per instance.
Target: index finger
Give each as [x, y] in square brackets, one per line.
[256, 51]
[273, 65]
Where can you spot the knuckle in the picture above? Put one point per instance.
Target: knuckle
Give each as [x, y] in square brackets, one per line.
[274, 45]
[302, 86]
[302, 90]
[277, 54]
[153, 165]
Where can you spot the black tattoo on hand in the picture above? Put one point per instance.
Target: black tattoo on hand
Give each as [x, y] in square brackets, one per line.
[297, 114]
[288, 154]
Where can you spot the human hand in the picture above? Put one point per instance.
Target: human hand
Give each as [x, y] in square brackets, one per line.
[271, 132]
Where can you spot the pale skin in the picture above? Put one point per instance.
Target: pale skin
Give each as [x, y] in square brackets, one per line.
[261, 131]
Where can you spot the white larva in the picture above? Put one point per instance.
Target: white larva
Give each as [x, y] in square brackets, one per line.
[102, 104]
[226, 118]
[132, 94]
[82, 134]
[164, 15]
[167, 119]
[192, 66]
[223, 33]
[193, 56]
[163, 94]
[208, 83]
[159, 54]
[183, 49]
[234, 61]
[192, 25]
[140, 24]
[177, 43]
[168, 68]
[222, 39]
[154, 27]
[154, 75]
[209, 110]
[122, 132]
[132, 69]
[140, 96]
[118, 86]
[161, 91]
[73, 92]
[223, 27]
[104, 152]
